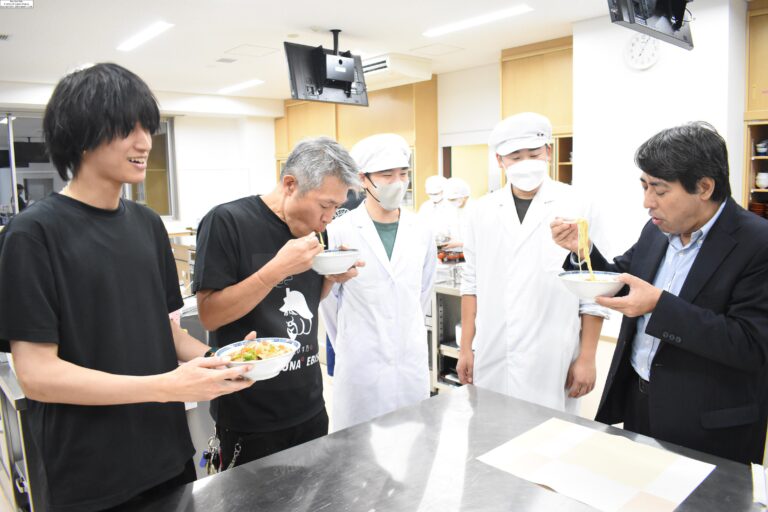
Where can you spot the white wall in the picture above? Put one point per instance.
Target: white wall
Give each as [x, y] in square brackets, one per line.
[221, 159]
[468, 107]
[27, 96]
[616, 109]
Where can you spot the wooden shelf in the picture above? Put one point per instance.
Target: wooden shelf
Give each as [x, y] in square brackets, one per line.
[565, 163]
[760, 158]
[759, 190]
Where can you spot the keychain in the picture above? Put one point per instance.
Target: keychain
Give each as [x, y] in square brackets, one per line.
[211, 457]
[234, 456]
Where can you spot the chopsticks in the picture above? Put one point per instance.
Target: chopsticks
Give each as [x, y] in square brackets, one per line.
[320, 237]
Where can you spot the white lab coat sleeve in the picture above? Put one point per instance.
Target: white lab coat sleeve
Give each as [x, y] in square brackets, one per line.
[590, 307]
[468, 276]
[329, 306]
[428, 273]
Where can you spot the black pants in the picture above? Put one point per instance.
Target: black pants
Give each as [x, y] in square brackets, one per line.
[636, 414]
[260, 444]
[186, 476]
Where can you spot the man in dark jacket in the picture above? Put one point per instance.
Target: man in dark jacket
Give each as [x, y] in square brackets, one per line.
[690, 362]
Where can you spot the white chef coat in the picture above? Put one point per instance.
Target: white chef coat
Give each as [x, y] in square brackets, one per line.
[527, 327]
[376, 320]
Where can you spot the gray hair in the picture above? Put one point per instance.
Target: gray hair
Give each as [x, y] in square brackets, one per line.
[314, 159]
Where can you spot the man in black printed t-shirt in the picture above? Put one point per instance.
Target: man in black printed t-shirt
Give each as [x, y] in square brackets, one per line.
[253, 272]
[94, 349]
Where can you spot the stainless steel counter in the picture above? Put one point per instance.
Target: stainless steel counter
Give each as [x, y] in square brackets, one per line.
[424, 458]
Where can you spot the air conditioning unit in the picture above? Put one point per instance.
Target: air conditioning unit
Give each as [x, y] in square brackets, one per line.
[393, 69]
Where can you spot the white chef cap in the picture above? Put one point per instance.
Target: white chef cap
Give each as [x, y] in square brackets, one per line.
[381, 152]
[435, 184]
[526, 130]
[456, 188]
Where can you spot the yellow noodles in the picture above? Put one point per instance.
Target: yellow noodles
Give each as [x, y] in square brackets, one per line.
[583, 246]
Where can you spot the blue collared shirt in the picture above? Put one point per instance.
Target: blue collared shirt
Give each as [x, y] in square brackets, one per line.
[670, 277]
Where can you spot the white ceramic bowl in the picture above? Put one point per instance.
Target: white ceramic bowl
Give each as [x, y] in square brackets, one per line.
[577, 282]
[334, 261]
[265, 368]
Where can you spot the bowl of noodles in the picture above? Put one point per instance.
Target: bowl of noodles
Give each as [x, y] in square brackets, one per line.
[588, 285]
[267, 357]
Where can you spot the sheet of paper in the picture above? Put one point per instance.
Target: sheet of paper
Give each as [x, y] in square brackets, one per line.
[759, 484]
[607, 472]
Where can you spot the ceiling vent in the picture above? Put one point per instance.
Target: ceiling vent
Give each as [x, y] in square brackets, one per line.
[393, 69]
[4, 37]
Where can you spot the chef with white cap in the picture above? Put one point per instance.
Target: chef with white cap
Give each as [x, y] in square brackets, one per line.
[523, 333]
[457, 195]
[376, 323]
[433, 210]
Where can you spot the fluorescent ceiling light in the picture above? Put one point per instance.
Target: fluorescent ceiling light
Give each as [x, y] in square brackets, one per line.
[145, 35]
[478, 20]
[241, 86]
[4, 120]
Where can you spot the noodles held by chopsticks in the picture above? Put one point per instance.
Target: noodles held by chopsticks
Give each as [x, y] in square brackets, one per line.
[583, 246]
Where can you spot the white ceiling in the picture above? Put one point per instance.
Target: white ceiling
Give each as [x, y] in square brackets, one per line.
[56, 36]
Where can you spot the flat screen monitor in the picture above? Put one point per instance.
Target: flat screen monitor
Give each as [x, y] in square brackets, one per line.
[320, 74]
[661, 19]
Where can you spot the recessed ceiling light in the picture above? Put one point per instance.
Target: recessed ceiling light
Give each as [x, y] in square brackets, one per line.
[241, 86]
[478, 20]
[145, 35]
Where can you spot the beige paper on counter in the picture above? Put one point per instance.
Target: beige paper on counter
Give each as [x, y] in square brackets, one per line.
[608, 472]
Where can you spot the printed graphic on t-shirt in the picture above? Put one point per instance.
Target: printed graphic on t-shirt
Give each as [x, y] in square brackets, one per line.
[299, 316]
[339, 212]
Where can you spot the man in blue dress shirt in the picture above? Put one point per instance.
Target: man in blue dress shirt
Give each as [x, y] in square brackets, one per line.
[691, 357]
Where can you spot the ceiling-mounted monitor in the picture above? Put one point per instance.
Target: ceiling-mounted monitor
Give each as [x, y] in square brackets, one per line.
[320, 74]
[661, 19]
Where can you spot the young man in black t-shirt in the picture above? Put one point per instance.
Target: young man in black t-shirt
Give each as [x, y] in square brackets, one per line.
[93, 347]
[253, 272]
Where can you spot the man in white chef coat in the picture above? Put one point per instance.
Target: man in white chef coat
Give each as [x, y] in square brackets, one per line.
[376, 321]
[457, 194]
[432, 211]
[523, 333]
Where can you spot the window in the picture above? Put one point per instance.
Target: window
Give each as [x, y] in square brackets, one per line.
[158, 190]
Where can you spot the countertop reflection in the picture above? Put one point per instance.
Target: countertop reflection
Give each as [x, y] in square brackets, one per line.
[424, 458]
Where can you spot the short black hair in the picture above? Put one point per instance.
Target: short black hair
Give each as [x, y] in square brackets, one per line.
[686, 154]
[93, 106]
[19, 186]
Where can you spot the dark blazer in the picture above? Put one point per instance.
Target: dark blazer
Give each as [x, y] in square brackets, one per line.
[708, 378]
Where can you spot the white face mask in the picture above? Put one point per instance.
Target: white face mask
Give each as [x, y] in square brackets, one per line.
[528, 174]
[436, 198]
[456, 203]
[389, 195]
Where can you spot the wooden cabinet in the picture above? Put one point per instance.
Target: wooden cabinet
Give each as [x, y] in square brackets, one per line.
[562, 165]
[539, 78]
[756, 195]
[407, 110]
[756, 112]
[757, 60]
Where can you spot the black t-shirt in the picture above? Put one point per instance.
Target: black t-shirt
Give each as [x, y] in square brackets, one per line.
[100, 284]
[521, 205]
[235, 240]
